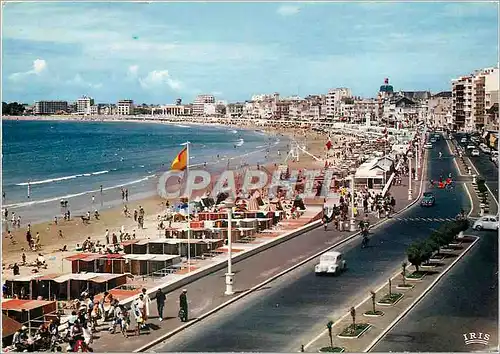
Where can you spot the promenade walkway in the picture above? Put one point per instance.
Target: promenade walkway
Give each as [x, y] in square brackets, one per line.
[207, 293]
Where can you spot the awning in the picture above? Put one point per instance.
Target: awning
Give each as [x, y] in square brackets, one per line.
[103, 278]
[9, 326]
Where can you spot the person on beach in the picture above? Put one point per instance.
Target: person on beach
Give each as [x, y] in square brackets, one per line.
[107, 237]
[19, 221]
[23, 258]
[114, 239]
[61, 234]
[135, 215]
[37, 240]
[15, 270]
[93, 199]
[55, 220]
[100, 189]
[160, 303]
[126, 195]
[123, 194]
[29, 239]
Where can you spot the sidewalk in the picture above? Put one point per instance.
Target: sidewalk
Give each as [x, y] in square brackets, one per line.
[391, 313]
[205, 294]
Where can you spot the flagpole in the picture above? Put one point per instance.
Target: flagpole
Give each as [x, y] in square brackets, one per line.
[188, 211]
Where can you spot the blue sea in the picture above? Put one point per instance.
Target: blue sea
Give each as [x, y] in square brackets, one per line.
[72, 160]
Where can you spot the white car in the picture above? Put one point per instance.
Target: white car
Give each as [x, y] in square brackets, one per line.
[330, 263]
[428, 146]
[433, 140]
[474, 152]
[487, 222]
[471, 146]
[463, 141]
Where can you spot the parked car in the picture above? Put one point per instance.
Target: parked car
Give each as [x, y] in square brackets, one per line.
[428, 199]
[471, 146]
[486, 222]
[330, 263]
[428, 146]
[463, 140]
[475, 152]
[433, 140]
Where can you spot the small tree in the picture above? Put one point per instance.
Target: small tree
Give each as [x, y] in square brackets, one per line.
[426, 250]
[373, 300]
[415, 255]
[390, 287]
[353, 315]
[329, 325]
[403, 273]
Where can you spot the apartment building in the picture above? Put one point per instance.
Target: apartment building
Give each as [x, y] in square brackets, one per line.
[125, 107]
[50, 107]
[200, 102]
[333, 101]
[473, 95]
[440, 110]
[83, 105]
[235, 110]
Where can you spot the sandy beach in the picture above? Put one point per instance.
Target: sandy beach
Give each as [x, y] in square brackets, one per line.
[75, 232]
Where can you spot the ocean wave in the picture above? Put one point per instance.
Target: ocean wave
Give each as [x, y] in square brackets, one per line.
[50, 180]
[240, 142]
[182, 126]
[69, 196]
[234, 131]
[260, 146]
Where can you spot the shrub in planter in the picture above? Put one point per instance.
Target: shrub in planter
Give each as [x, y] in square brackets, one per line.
[415, 253]
[332, 350]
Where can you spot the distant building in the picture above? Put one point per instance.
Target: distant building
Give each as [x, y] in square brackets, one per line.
[200, 102]
[472, 96]
[175, 110]
[440, 110]
[50, 107]
[83, 105]
[125, 107]
[334, 98]
[234, 110]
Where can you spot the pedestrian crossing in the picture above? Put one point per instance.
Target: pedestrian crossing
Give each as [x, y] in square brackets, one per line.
[424, 219]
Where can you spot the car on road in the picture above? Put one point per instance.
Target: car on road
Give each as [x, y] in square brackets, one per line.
[428, 199]
[463, 140]
[428, 146]
[433, 140]
[471, 146]
[330, 263]
[486, 222]
[475, 152]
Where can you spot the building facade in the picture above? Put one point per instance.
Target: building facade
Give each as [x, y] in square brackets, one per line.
[83, 105]
[200, 102]
[125, 107]
[50, 107]
[333, 101]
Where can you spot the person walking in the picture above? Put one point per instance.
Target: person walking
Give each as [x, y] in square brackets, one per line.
[107, 237]
[147, 305]
[160, 303]
[183, 304]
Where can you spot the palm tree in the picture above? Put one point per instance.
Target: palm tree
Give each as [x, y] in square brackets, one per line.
[404, 265]
[390, 287]
[373, 301]
[329, 326]
[353, 315]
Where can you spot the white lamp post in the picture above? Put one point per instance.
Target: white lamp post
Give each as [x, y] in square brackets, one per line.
[353, 222]
[228, 203]
[410, 197]
[416, 162]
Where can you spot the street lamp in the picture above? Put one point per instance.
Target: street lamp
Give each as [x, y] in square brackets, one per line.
[417, 162]
[410, 197]
[353, 222]
[228, 203]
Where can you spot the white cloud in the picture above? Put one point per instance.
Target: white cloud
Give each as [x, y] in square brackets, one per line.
[288, 10]
[39, 66]
[132, 70]
[158, 78]
[79, 81]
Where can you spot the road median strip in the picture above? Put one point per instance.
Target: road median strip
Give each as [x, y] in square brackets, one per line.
[395, 307]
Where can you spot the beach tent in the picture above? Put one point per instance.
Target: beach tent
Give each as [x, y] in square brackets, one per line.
[9, 327]
[24, 311]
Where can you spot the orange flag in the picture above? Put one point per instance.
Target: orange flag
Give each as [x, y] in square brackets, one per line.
[180, 162]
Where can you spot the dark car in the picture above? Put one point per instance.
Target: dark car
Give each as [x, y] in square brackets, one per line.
[428, 199]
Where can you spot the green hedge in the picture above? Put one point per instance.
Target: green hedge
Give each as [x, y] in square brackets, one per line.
[421, 251]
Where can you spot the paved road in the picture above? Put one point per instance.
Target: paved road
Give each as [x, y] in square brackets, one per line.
[293, 309]
[465, 300]
[487, 169]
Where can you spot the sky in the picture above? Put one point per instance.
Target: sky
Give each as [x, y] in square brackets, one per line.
[158, 52]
